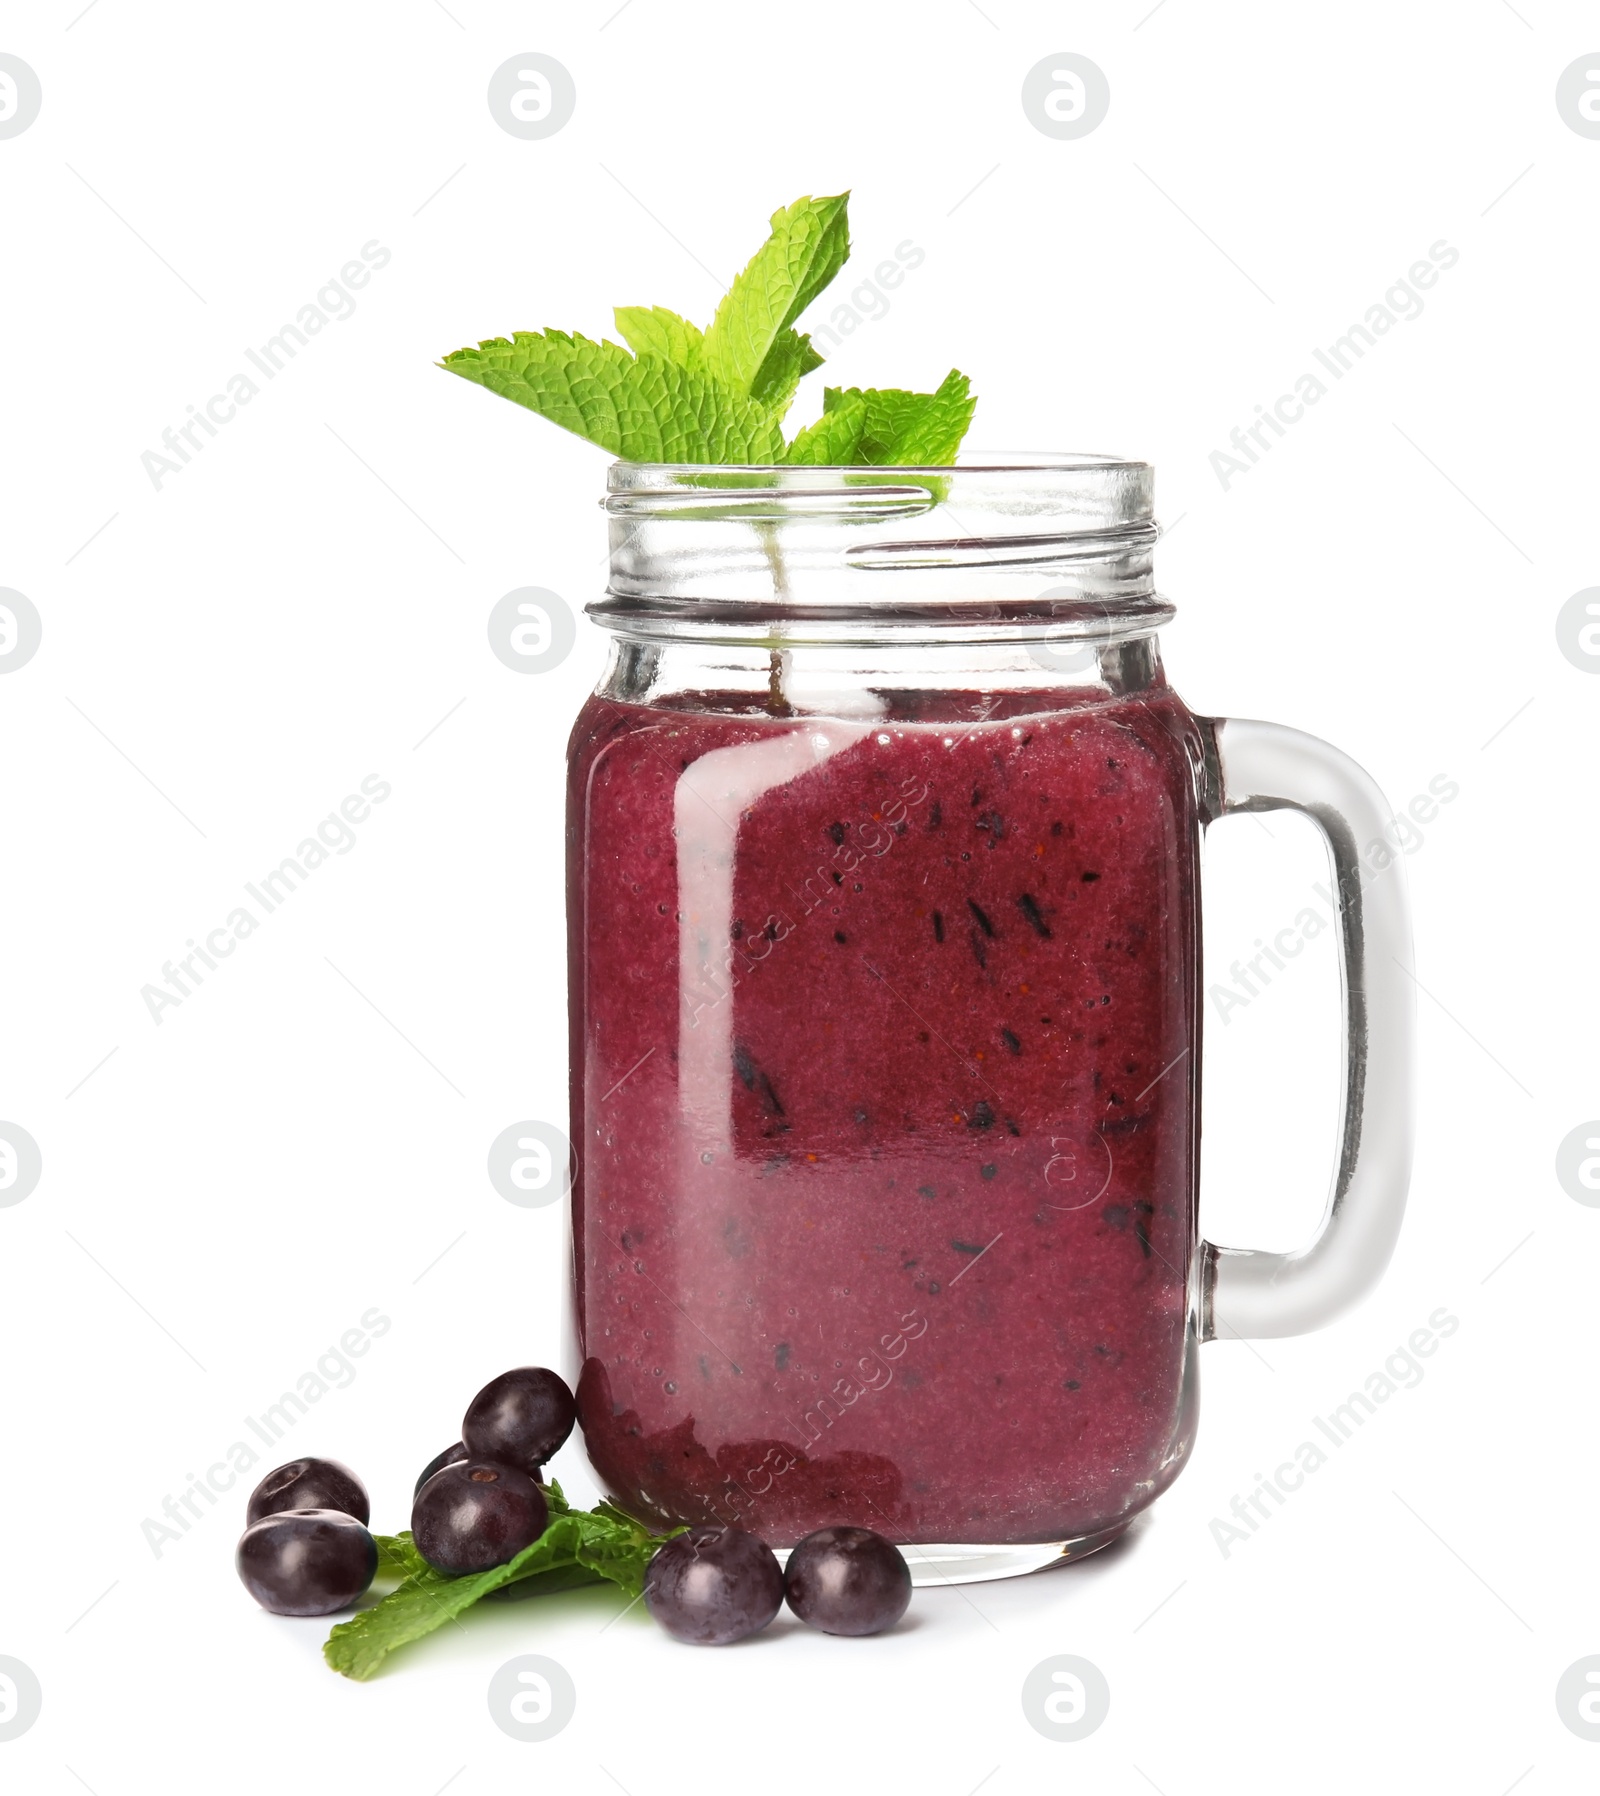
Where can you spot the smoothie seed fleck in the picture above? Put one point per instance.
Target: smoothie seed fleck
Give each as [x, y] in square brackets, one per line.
[1015, 1045]
[983, 922]
[838, 936]
[988, 1172]
[1029, 907]
[938, 926]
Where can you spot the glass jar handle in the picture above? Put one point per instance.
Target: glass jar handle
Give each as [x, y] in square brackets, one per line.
[1265, 767]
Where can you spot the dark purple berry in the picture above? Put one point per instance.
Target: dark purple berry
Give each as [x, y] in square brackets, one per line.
[713, 1585]
[472, 1515]
[450, 1456]
[519, 1418]
[306, 1561]
[310, 1484]
[847, 1581]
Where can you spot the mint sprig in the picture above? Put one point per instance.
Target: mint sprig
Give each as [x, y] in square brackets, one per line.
[579, 1546]
[680, 394]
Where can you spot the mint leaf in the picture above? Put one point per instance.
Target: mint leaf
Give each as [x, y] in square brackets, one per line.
[791, 357]
[834, 441]
[808, 246]
[644, 409]
[578, 1547]
[908, 429]
[653, 330]
[930, 436]
[397, 1557]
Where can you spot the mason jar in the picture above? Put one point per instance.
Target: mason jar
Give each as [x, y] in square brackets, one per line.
[885, 981]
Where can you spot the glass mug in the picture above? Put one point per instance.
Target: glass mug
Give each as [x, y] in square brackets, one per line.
[885, 997]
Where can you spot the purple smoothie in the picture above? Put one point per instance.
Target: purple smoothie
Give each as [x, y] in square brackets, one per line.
[885, 1046]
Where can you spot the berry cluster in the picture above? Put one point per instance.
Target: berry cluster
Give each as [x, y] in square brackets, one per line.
[306, 1549]
[479, 1503]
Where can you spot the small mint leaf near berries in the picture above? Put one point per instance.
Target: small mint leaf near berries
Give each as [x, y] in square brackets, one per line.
[306, 1561]
[476, 1515]
[519, 1418]
[309, 1484]
[714, 1585]
[847, 1581]
[397, 1556]
[579, 1546]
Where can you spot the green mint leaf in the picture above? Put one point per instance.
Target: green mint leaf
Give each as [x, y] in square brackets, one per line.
[932, 435]
[397, 1556]
[653, 330]
[643, 409]
[808, 246]
[577, 1547]
[908, 429]
[888, 410]
[834, 441]
[791, 358]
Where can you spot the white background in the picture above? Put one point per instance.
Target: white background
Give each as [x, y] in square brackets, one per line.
[225, 658]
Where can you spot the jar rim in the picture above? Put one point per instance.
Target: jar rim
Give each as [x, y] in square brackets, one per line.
[1093, 491]
[970, 461]
[1001, 537]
